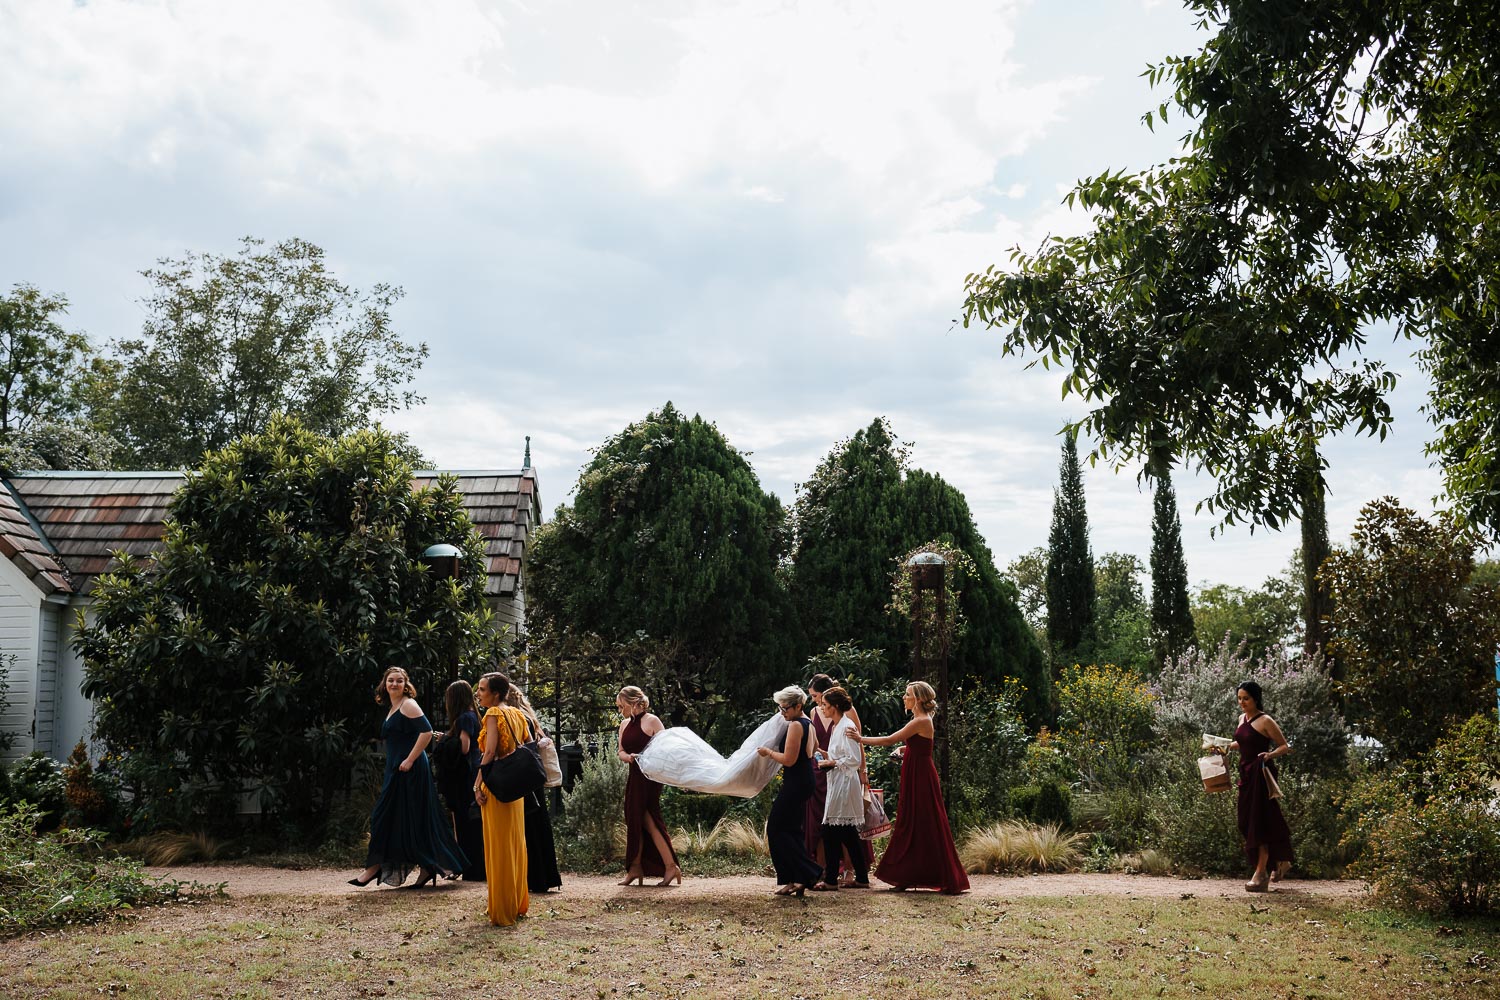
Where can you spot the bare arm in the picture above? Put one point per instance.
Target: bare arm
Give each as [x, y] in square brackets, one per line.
[491, 743]
[412, 710]
[790, 751]
[913, 727]
[620, 744]
[1268, 728]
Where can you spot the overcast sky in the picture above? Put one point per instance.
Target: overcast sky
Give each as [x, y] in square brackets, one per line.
[763, 212]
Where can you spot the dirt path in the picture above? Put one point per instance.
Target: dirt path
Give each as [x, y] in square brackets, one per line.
[251, 881]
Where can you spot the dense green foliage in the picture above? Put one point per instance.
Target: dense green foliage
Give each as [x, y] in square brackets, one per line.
[1105, 717]
[1071, 588]
[1339, 171]
[861, 510]
[1171, 614]
[1416, 641]
[987, 728]
[670, 535]
[1122, 619]
[1264, 618]
[230, 341]
[1430, 828]
[244, 659]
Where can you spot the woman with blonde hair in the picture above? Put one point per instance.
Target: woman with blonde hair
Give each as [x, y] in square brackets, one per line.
[503, 731]
[408, 828]
[921, 852]
[541, 849]
[647, 846]
[795, 868]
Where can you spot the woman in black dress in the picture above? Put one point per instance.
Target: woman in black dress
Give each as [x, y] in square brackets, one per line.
[408, 828]
[795, 868]
[457, 755]
[541, 850]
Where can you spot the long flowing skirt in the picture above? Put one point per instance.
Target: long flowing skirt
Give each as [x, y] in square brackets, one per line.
[505, 859]
[541, 851]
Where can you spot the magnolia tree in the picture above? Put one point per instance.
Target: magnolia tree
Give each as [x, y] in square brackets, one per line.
[245, 657]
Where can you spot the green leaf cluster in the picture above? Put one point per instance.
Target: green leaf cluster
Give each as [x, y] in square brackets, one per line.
[245, 658]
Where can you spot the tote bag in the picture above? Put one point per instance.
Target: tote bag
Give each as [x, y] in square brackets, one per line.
[512, 776]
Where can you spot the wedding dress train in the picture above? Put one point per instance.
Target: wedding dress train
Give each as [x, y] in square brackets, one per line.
[680, 757]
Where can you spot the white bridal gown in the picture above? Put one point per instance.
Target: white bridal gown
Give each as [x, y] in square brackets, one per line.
[679, 757]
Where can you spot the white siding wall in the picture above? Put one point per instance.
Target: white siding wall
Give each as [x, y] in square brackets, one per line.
[51, 616]
[74, 719]
[19, 618]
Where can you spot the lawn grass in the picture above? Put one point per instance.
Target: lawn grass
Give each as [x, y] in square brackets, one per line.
[434, 944]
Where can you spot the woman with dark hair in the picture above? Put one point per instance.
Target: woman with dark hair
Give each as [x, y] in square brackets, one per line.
[822, 729]
[457, 754]
[921, 852]
[1259, 740]
[407, 826]
[503, 731]
[647, 846]
[541, 849]
[844, 801]
[795, 868]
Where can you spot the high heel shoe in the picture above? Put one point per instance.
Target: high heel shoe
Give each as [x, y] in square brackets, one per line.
[1258, 883]
[427, 875]
[1279, 872]
[633, 876]
[355, 881]
[675, 873]
[799, 890]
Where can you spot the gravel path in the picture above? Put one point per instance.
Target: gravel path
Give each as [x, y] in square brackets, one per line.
[253, 881]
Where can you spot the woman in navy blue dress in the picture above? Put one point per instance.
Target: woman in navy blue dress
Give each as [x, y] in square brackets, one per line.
[408, 827]
[457, 755]
[795, 868]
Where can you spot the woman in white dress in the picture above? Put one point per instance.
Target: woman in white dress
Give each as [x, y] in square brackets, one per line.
[844, 805]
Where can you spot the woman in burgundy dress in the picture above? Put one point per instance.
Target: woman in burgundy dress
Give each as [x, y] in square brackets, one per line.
[1268, 842]
[823, 731]
[921, 852]
[647, 845]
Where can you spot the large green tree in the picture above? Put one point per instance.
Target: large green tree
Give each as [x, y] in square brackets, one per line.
[671, 537]
[1171, 612]
[245, 656]
[230, 341]
[1072, 597]
[862, 508]
[1339, 175]
[1416, 637]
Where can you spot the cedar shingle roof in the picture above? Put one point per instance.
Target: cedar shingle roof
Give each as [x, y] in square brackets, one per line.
[22, 545]
[87, 516]
[505, 507]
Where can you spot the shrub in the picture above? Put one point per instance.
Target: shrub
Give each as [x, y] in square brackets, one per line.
[1105, 716]
[89, 803]
[38, 779]
[1430, 829]
[692, 810]
[1009, 846]
[593, 808]
[1051, 802]
[1196, 695]
[1121, 817]
[734, 837]
[168, 849]
[1198, 831]
[58, 879]
[987, 740]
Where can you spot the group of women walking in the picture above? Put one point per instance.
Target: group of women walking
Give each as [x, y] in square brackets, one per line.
[508, 845]
[814, 823]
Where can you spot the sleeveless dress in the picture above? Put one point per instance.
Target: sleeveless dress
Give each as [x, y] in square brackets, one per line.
[541, 848]
[408, 826]
[785, 827]
[505, 830]
[816, 803]
[642, 806]
[1260, 818]
[921, 852]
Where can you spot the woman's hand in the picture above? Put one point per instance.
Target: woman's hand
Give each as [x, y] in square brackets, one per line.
[480, 796]
[405, 765]
[762, 752]
[628, 758]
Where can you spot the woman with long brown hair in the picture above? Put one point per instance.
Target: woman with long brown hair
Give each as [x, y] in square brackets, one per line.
[408, 828]
[541, 849]
[457, 754]
[503, 731]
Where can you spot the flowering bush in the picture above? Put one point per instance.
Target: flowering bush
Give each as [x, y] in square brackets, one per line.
[1106, 715]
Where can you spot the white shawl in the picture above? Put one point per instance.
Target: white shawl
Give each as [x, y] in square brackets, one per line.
[845, 803]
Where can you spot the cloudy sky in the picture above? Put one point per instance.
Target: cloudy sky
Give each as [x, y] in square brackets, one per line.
[762, 211]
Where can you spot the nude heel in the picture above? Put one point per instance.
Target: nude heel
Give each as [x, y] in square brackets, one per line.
[675, 873]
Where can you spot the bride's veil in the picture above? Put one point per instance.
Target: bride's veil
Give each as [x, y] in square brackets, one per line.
[680, 757]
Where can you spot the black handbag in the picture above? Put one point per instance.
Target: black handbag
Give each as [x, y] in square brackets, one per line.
[512, 776]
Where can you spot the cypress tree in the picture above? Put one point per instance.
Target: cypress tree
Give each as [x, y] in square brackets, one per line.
[1316, 605]
[1171, 614]
[1071, 594]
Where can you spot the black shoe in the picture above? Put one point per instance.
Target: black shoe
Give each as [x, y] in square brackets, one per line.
[355, 881]
[427, 876]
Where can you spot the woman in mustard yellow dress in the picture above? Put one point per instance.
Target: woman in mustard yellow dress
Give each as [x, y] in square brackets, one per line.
[503, 729]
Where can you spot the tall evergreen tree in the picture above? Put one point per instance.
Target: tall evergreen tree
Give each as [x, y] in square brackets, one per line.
[860, 510]
[671, 535]
[1316, 605]
[1071, 594]
[1171, 612]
